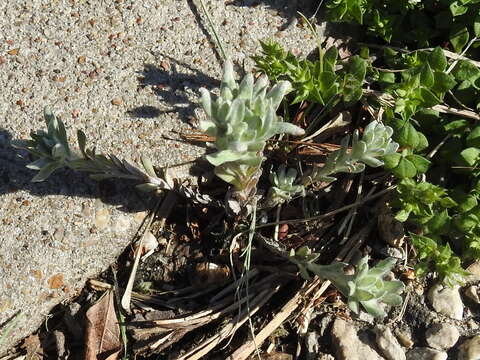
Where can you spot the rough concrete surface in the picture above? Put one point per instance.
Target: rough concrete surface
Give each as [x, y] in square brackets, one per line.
[126, 72]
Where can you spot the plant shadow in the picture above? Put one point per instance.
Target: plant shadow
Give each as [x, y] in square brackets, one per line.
[315, 11]
[15, 176]
[285, 8]
[175, 83]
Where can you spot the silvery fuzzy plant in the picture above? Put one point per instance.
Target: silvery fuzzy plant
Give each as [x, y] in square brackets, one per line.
[52, 151]
[366, 287]
[242, 118]
[376, 142]
[283, 187]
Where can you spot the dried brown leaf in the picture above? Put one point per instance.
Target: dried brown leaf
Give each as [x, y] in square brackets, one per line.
[102, 337]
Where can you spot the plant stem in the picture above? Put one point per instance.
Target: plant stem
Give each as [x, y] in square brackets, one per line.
[330, 213]
[214, 31]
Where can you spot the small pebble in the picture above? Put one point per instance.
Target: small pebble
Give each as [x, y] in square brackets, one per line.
[347, 343]
[470, 349]
[446, 300]
[140, 216]
[117, 101]
[102, 218]
[122, 223]
[424, 353]
[388, 344]
[404, 339]
[442, 336]
[59, 234]
[472, 293]
[474, 270]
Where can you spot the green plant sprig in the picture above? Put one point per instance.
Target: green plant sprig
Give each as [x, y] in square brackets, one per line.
[52, 152]
[283, 187]
[375, 143]
[421, 23]
[324, 81]
[242, 118]
[366, 287]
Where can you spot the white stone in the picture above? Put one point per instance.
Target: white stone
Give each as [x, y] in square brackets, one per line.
[122, 223]
[470, 349]
[347, 344]
[388, 344]
[102, 218]
[442, 336]
[446, 300]
[425, 353]
[474, 270]
[472, 293]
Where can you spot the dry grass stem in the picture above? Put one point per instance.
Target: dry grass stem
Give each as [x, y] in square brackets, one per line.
[164, 211]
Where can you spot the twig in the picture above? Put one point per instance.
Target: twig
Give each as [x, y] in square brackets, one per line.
[402, 310]
[352, 214]
[330, 213]
[463, 113]
[277, 219]
[206, 346]
[246, 349]
[9, 326]
[439, 145]
[452, 65]
[440, 108]
[165, 209]
[250, 274]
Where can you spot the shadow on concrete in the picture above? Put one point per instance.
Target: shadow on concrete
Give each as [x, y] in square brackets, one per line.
[15, 176]
[315, 11]
[172, 86]
[285, 8]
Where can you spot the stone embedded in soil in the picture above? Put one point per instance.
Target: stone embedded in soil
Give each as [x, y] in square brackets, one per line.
[470, 349]
[404, 339]
[424, 353]
[474, 270]
[102, 218]
[442, 336]
[311, 344]
[388, 344]
[324, 357]
[390, 229]
[348, 345]
[472, 293]
[446, 300]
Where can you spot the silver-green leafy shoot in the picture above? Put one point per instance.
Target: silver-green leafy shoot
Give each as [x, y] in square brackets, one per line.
[52, 152]
[376, 142]
[366, 287]
[242, 118]
[283, 187]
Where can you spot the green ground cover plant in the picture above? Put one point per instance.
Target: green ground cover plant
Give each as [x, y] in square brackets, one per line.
[410, 87]
[412, 22]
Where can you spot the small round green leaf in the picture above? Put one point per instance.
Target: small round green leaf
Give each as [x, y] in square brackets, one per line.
[421, 164]
[405, 169]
